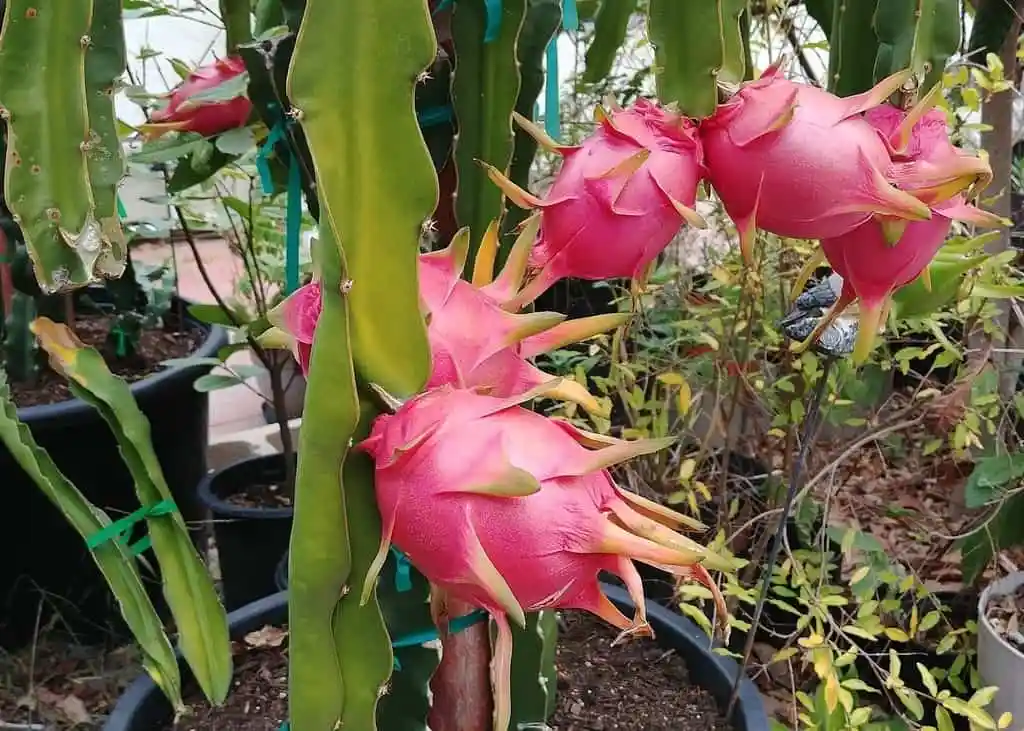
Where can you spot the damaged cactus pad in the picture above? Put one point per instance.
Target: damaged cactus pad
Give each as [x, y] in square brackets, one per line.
[529, 522]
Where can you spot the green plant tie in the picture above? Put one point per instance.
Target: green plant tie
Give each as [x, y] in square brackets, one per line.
[552, 105]
[403, 571]
[120, 341]
[121, 212]
[493, 27]
[443, 5]
[121, 530]
[432, 116]
[293, 210]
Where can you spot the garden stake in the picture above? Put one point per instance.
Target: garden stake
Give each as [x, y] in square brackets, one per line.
[811, 422]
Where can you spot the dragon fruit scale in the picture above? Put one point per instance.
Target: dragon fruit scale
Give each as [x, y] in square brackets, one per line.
[797, 161]
[474, 342]
[526, 524]
[618, 200]
[207, 118]
[872, 268]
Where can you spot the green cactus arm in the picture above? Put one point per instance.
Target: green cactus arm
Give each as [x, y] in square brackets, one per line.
[917, 299]
[916, 34]
[542, 21]
[534, 679]
[822, 11]
[610, 25]
[404, 598]
[197, 610]
[236, 15]
[43, 98]
[485, 87]
[854, 47]
[268, 14]
[105, 63]
[695, 44]
[319, 556]
[113, 559]
[993, 20]
[363, 643]
[19, 347]
[373, 170]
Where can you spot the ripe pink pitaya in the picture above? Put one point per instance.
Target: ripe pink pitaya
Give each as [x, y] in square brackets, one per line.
[474, 343]
[618, 200]
[184, 114]
[871, 266]
[524, 525]
[480, 346]
[798, 161]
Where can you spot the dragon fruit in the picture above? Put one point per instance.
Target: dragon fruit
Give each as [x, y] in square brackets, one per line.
[528, 522]
[207, 118]
[618, 199]
[474, 342]
[872, 268]
[797, 161]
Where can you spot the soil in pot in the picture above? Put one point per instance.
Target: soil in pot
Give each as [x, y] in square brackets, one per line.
[636, 686]
[251, 509]
[1006, 615]
[154, 347]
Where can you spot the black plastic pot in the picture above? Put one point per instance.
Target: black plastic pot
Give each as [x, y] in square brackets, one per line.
[46, 563]
[250, 540]
[144, 708]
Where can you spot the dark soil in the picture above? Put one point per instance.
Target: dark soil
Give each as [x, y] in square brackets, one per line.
[258, 700]
[635, 686]
[155, 346]
[1006, 614]
[263, 495]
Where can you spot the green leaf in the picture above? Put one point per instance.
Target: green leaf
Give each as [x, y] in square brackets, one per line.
[112, 557]
[198, 614]
[237, 141]
[216, 381]
[210, 314]
[168, 148]
[976, 715]
[928, 679]
[991, 476]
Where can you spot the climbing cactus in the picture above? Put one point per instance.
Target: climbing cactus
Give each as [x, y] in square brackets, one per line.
[105, 62]
[917, 34]
[44, 99]
[696, 45]
[484, 91]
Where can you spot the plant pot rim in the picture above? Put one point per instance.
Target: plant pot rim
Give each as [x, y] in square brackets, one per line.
[999, 587]
[222, 508]
[716, 672]
[75, 409]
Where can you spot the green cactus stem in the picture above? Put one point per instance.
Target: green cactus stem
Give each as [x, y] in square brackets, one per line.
[19, 347]
[542, 20]
[236, 16]
[916, 34]
[43, 98]
[485, 88]
[696, 45]
[610, 25]
[376, 180]
[854, 44]
[534, 678]
[105, 63]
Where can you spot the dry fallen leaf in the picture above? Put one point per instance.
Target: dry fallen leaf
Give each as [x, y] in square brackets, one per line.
[73, 707]
[268, 636]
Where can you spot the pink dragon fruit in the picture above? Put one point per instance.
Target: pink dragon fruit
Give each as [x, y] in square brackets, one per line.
[474, 343]
[798, 161]
[872, 268]
[618, 200]
[527, 523]
[207, 118]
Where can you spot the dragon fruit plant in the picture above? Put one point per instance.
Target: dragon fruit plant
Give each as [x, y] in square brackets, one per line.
[419, 372]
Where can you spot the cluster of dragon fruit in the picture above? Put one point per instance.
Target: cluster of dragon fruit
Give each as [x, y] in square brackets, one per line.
[530, 512]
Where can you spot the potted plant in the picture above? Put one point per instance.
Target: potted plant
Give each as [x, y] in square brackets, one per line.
[1000, 643]
[137, 322]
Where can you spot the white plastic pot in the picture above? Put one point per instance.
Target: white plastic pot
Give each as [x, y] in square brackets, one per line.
[1000, 663]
